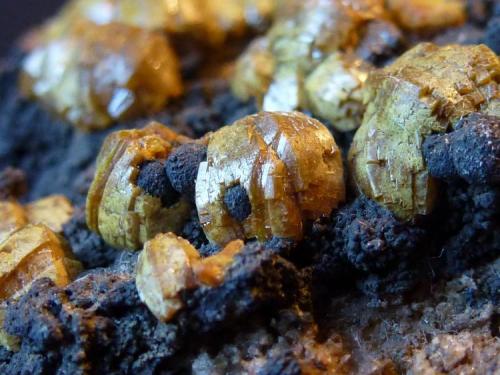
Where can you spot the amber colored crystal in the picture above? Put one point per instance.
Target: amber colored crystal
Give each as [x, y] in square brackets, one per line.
[30, 253]
[428, 15]
[275, 68]
[95, 75]
[169, 265]
[290, 167]
[53, 211]
[427, 90]
[209, 21]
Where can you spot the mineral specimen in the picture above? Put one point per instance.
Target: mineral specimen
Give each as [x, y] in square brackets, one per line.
[427, 90]
[169, 265]
[427, 15]
[275, 68]
[125, 215]
[334, 90]
[94, 75]
[289, 166]
[204, 294]
[30, 253]
[210, 21]
[53, 212]
[27, 254]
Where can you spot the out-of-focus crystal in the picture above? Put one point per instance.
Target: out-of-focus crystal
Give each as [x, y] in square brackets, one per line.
[95, 75]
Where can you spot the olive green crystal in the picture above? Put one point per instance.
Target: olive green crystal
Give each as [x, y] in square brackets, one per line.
[425, 91]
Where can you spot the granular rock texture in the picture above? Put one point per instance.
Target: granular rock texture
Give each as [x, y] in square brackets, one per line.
[87, 246]
[367, 242]
[98, 325]
[458, 354]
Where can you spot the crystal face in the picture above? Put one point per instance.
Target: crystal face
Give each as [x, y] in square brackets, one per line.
[32, 252]
[53, 211]
[427, 90]
[169, 265]
[317, 54]
[119, 210]
[289, 166]
[281, 69]
[98, 74]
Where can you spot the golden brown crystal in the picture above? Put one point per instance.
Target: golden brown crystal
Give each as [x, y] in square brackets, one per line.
[425, 91]
[170, 264]
[28, 254]
[209, 21]
[289, 166]
[117, 209]
[53, 211]
[428, 15]
[97, 74]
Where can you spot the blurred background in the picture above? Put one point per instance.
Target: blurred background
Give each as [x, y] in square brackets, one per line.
[16, 16]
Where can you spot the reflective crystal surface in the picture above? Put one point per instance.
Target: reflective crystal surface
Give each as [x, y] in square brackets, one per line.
[122, 213]
[289, 165]
[94, 74]
[427, 90]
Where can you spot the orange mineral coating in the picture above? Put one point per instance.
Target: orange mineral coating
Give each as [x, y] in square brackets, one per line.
[290, 167]
[170, 264]
[117, 208]
[95, 75]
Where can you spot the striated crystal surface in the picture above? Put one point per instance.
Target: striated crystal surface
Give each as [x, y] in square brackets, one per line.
[289, 166]
[427, 90]
[119, 210]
